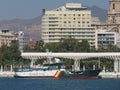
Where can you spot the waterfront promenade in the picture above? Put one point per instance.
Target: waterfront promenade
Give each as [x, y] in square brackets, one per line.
[109, 74]
[77, 57]
[7, 74]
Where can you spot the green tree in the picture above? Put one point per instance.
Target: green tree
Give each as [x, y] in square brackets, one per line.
[54, 47]
[39, 46]
[69, 45]
[10, 55]
[27, 48]
[15, 53]
[84, 46]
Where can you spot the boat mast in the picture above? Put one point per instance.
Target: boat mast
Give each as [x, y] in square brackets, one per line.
[48, 56]
[76, 64]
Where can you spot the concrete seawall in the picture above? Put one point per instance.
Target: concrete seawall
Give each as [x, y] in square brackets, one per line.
[7, 74]
[109, 74]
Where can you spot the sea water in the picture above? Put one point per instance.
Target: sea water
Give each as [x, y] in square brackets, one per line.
[59, 84]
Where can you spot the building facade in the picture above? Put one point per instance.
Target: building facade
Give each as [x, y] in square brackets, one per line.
[71, 20]
[106, 38]
[114, 12]
[23, 40]
[6, 37]
[113, 22]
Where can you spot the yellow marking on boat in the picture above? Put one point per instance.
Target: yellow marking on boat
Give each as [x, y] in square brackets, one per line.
[57, 74]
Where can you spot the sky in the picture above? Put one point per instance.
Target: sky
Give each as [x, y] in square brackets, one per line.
[27, 9]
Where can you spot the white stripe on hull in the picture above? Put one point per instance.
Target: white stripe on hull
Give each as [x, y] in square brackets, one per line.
[48, 73]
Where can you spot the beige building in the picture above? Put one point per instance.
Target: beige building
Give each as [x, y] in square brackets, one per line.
[6, 37]
[95, 20]
[113, 22]
[72, 20]
[114, 12]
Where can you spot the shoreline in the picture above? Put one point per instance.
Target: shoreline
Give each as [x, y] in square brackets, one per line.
[8, 74]
[109, 74]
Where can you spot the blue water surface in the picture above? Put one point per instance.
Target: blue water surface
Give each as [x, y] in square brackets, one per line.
[59, 84]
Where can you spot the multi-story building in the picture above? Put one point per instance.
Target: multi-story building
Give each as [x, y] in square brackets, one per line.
[23, 40]
[6, 37]
[106, 38]
[72, 20]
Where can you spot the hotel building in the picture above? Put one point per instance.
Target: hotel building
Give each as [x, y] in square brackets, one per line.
[72, 20]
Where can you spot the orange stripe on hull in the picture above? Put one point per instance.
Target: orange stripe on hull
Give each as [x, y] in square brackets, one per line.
[57, 74]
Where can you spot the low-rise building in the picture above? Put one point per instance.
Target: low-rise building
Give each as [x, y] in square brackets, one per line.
[6, 37]
[106, 37]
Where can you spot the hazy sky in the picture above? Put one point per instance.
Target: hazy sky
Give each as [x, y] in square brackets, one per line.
[25, 9]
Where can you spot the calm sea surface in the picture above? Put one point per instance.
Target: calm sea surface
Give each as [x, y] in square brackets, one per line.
[59, 84]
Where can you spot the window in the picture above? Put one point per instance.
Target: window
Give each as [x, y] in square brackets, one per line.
[64, 21]
[69, 22]
[113, 6]
[83, 14]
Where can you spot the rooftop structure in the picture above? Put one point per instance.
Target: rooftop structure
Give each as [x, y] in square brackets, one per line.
[76, 57]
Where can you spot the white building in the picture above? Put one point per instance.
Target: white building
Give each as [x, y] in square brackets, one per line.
[72, 20]
[106, 37]
[23, 40]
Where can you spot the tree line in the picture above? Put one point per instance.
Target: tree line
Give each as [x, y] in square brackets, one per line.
[10, 55]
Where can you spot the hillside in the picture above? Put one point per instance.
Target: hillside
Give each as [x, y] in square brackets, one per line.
[99, 12]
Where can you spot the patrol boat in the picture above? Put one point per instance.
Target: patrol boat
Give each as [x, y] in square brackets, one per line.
[54, 69]
[48, 70]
